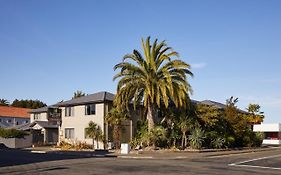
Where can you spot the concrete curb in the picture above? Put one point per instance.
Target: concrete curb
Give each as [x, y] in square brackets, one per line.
[193, 154]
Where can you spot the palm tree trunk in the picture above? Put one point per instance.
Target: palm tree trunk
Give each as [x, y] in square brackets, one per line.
[93, 143]
[116, 136]
[182, 139]
[97, 143]
[150, 116]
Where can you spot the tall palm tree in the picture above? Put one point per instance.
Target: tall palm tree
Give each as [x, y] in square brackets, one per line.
[4, 102]
[114, 118]
[94, 131]
[152, 79]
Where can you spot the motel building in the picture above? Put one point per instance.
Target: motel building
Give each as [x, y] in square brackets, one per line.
[272, 133]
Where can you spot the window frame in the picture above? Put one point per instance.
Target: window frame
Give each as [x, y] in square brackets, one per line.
[69, 111]
[67, 132]
[89, 109]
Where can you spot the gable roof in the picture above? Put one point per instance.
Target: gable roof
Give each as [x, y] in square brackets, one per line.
[92, 98]
[9, 111]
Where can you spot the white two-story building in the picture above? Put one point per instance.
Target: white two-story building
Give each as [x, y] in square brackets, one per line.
[73, 117]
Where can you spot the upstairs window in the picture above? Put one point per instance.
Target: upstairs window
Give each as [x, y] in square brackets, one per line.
[90, 109]
[69, 111]
[37, 116]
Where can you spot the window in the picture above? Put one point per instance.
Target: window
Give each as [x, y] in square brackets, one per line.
[90, 109]
[9, 121]
[69, 111]
[0, 120]
[69, 133]
[37, 116]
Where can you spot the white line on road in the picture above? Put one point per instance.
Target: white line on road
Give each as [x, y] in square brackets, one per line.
[238, 164]
[39, 152]
[132, 157]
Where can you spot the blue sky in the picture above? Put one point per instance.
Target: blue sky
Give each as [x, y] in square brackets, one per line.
[49, 49]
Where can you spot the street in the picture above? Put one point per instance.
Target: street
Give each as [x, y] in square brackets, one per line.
[265, 162]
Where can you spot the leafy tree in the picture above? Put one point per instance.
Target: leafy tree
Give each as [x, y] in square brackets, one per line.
[152, 79]
[114, 118]
[78, 94]
[208, 115]
[255, 115]
[32, 104]
[4, 102]
[94, 131]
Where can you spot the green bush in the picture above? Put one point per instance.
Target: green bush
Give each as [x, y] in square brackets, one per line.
[12, 133]
[218, 143]
[196, 138]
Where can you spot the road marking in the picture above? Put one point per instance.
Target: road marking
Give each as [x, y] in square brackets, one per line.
[253, 166]
[239, 164]
[39, 152]
[132, 157]
[227, 155]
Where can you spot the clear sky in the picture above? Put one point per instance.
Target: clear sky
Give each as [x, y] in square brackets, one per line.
[49, 49]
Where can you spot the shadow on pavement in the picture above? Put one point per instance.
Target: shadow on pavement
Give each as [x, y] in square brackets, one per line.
[10, 157]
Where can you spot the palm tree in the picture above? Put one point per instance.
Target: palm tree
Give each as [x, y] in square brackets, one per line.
[78, 94]
[152, 79]
[114, 118]
[4, 102]
[94, 131]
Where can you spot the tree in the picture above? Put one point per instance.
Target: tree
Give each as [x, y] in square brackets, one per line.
[114, 118]
[78, 94]
[255, 115]
[152, 79]
[4, 102]
[94, 131]
[32, 104]
[208, 115]
[185, 123]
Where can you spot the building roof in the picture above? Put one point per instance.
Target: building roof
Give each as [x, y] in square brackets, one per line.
[92, 98]
[213, 103]
[43, 124]
[9, 111]
[43, 109]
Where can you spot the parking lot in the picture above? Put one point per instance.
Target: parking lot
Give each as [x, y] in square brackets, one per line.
[265, 162]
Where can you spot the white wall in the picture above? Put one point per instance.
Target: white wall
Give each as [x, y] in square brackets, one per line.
[42, 117]
[275, 127]
[79, 121]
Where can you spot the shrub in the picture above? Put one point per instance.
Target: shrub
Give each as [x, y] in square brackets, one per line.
[196, 138]
[77, 146]
[12, 133]
[218, 143]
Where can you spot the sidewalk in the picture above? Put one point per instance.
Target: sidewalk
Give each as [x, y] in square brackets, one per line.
[188, 154]
[159, 154]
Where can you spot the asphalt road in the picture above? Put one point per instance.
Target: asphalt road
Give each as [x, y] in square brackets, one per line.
[266, 162]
